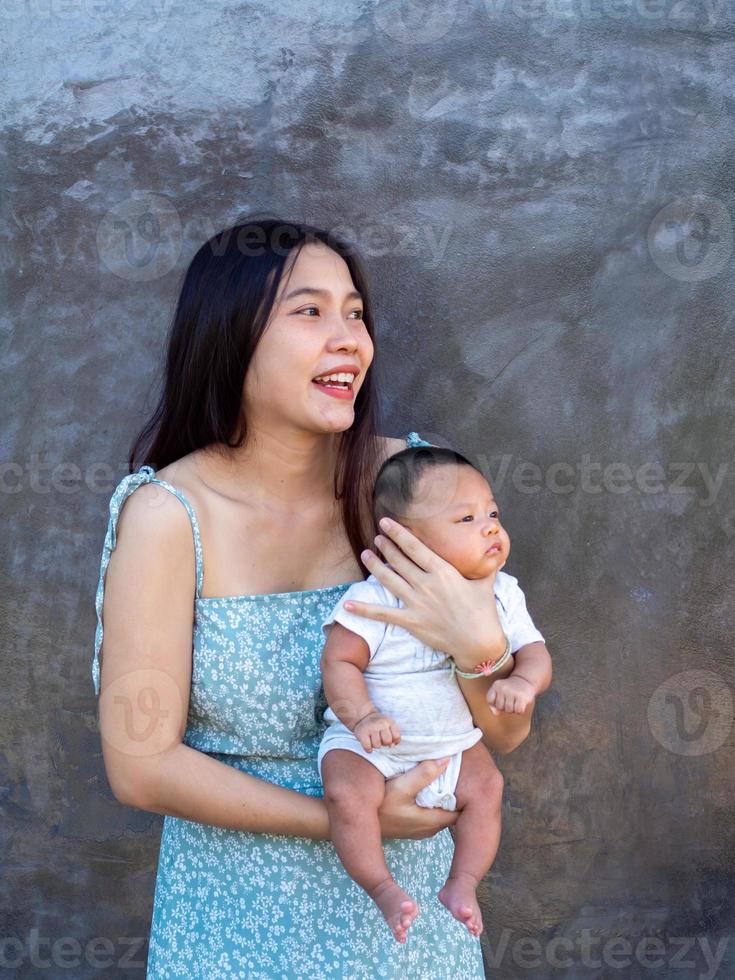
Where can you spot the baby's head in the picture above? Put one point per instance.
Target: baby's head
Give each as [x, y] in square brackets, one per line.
[442, 498]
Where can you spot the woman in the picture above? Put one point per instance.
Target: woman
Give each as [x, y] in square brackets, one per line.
[211, 699]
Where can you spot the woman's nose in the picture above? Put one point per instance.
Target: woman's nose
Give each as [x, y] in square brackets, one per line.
[344, 336]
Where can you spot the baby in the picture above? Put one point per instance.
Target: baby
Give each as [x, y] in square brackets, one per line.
[393, 701]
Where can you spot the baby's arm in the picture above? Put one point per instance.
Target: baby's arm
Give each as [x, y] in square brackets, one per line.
[531, 676]
[344, 659]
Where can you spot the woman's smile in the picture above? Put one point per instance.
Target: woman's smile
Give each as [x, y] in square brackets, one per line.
[335, 389]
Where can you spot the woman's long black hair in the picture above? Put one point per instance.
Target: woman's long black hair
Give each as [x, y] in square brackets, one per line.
[224, 304]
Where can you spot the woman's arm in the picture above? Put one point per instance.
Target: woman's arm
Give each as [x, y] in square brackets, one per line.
[190, 784]
[145, 686]
[505, 731]
[447, 612]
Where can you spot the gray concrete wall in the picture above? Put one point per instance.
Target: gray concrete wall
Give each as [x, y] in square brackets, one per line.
[544, 193]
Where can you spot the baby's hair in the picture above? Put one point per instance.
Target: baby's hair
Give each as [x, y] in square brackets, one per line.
[398, 477]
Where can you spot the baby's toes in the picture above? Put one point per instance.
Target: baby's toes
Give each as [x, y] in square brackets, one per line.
[409, 911]
[404, 919]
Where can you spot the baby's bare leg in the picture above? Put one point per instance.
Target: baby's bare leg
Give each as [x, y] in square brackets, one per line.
[353, 792]
[479, 793]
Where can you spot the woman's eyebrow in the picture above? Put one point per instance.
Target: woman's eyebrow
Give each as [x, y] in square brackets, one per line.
[324, 293]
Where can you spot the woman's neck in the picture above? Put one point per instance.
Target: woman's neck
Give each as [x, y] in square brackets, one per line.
[279, 473]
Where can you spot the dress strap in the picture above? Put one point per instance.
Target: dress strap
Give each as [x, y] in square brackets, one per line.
[413, 439]
[146, 474]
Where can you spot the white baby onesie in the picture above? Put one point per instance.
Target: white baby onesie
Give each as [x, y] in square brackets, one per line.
[412, 684]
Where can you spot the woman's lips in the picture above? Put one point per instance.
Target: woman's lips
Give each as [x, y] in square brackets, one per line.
[336, 392]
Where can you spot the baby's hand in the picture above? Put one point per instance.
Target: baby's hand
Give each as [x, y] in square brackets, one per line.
[377, 730]
[512, 694]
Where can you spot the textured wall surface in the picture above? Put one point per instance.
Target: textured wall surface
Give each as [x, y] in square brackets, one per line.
[543, 190]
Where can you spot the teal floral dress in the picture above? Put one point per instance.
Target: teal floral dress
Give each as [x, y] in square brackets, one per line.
[232, 903]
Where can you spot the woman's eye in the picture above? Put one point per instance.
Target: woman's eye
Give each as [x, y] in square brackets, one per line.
[356, 314]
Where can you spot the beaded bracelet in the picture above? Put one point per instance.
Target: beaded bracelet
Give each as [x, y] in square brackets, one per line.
[485, 668]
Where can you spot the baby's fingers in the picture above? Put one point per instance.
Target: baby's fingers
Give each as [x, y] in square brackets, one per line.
[376, 738]
[494, 693]
[501, 702]
[386, 735]
[522, 704]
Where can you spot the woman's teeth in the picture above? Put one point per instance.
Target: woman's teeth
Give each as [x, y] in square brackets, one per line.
[337, 380]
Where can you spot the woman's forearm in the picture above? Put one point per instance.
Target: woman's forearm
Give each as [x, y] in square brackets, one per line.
[191, 785]
[502, 732]
[506, 730]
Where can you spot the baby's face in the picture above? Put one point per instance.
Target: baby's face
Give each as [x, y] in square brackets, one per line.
[454, 513]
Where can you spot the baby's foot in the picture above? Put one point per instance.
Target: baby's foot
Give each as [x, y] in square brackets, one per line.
[398, 908]
[459, 895]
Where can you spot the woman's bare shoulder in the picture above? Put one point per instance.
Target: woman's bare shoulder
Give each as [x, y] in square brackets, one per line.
[184, 469]
[190, 475]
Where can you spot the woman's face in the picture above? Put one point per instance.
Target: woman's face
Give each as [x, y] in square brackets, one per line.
[315, 327]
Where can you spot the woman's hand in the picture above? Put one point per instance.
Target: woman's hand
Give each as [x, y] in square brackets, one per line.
[401, 816]
[441, 607]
